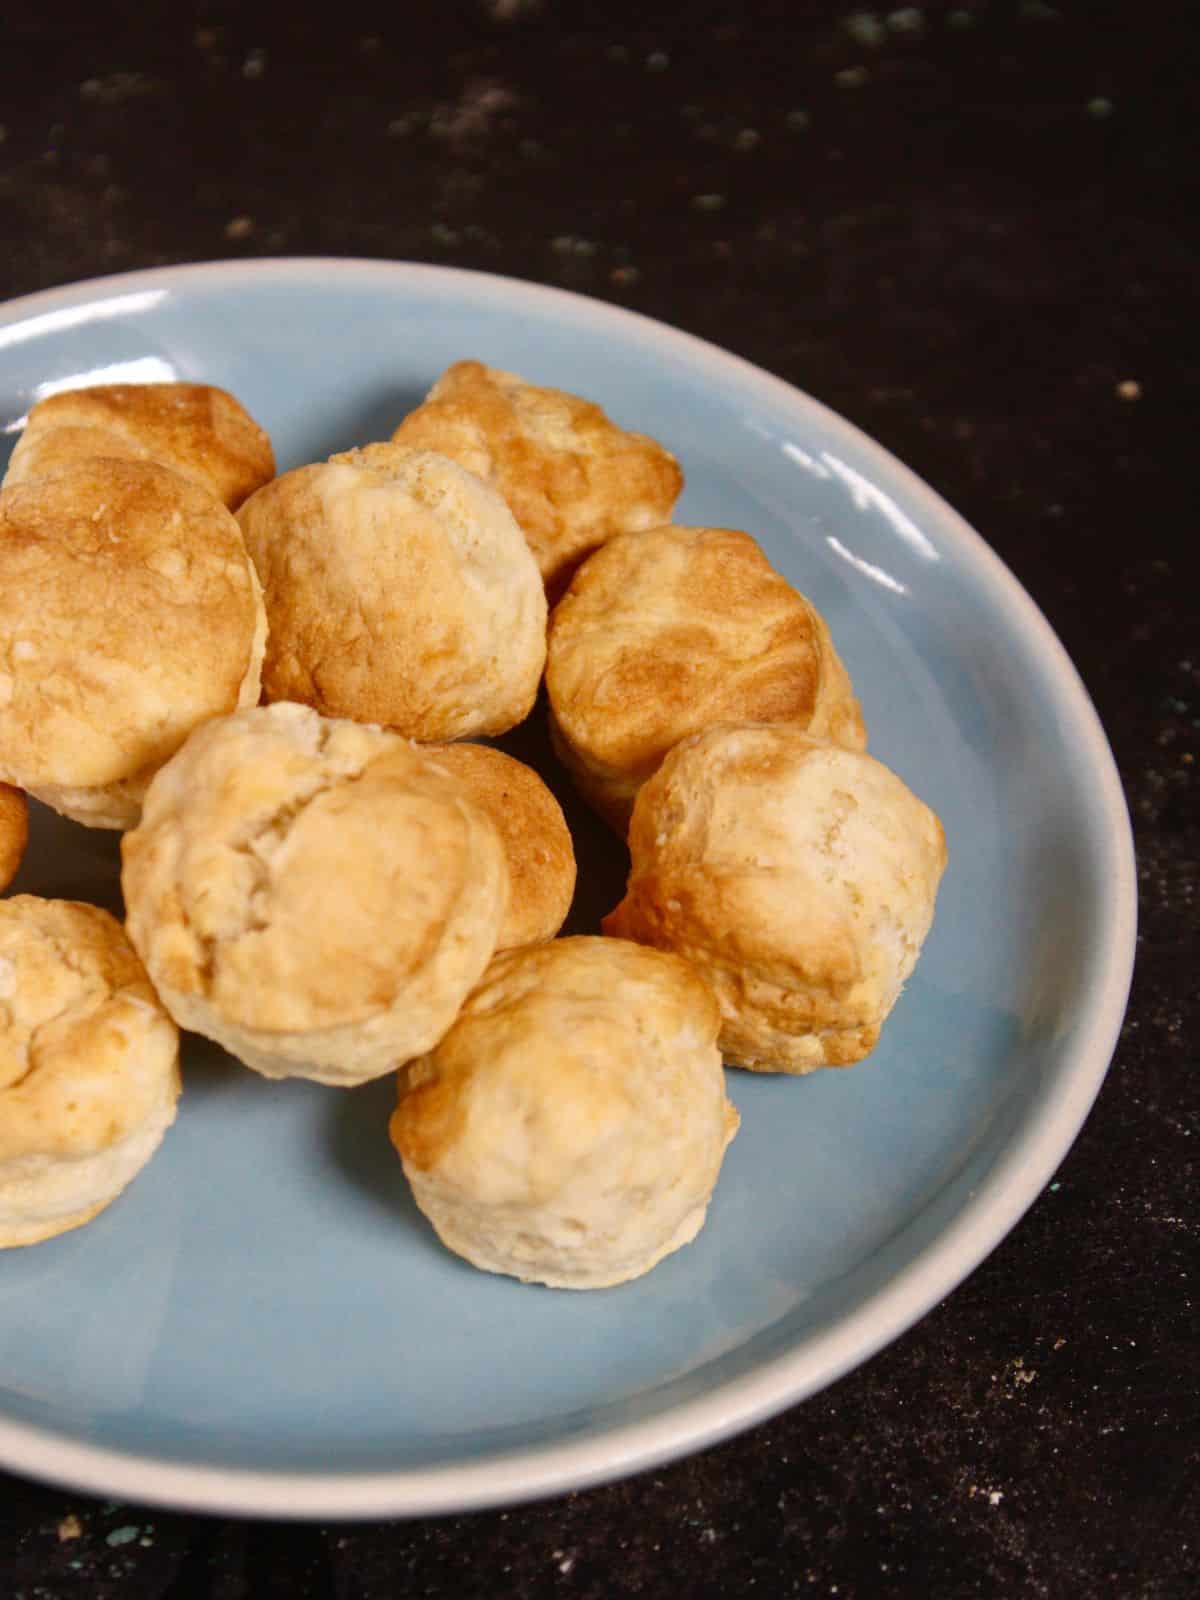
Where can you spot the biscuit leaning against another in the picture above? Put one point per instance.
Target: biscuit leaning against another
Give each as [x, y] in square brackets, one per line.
[201, 432]
[399, 591]
[89, 1066]
[533, 830]
[570, 1127]
[317, 896]
[664, 633]
[571, 477]
[130, 612]
[798, 876]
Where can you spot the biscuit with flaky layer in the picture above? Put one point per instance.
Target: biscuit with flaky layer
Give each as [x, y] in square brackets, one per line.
[202, 433]
[666, 632]
[799, 877]
[14, 831]
[570, 1126]
[89, 1066]
[399, 591]
[533, 830]
[129, 613]
[571, 477]
[315, 895]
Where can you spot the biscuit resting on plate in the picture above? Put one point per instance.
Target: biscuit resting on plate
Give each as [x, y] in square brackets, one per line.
[14, 831]
[89, 1066]
[202, 433]
[129, 613]
[315, 895]
[533, 830]
[667, 632]
[798, 876]
[399, 591]
[571, 476]
[570, 1127]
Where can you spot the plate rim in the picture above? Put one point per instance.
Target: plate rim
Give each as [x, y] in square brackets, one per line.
[994, 1209]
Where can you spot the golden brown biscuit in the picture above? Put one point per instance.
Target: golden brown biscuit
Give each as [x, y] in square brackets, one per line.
[570, 1127]
[798, 876]
[129, 612]
[399, 591]
[667, 632]
[571, 477]
[316, 896]
[200, 432]
[89, 1066]
[533, 830]
[14, 831]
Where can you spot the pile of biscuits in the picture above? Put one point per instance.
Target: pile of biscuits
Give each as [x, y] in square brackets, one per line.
[271, 685]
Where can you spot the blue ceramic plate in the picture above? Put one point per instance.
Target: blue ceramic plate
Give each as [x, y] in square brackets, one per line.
[263, 1323]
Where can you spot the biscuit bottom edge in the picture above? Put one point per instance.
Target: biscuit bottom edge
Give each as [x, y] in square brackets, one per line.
[796, 1054]
[526, 1271]
[14, 1235]
[39, 1205]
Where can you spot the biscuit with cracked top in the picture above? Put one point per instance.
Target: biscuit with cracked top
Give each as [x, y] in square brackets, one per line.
[317, 896]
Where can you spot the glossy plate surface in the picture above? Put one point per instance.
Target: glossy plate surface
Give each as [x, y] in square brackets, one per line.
[263, 1323]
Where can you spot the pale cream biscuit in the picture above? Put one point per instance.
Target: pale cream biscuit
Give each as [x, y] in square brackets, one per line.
[202, 433]
[315, 895]
[129, 613]
[571, 476]
[89, 1066]
[14, 831]
[533, 830]
[799, 877]
[569, 1128]
[399, 591]
[666, 632]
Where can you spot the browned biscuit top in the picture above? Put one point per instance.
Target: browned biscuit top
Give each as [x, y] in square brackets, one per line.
[128, 613]
[201, 432]
[571, 476]
[399, 591]
[667, 632]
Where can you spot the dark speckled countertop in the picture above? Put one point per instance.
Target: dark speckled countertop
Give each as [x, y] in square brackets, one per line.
[973, 230]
